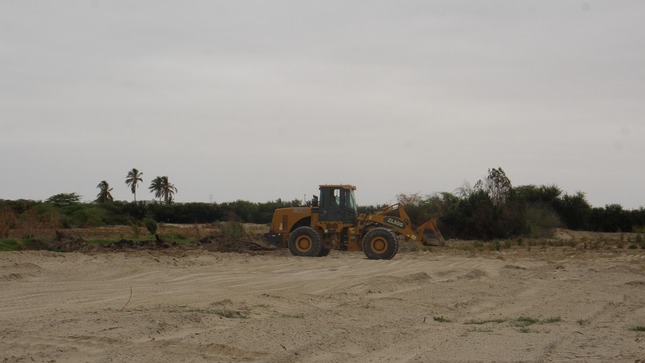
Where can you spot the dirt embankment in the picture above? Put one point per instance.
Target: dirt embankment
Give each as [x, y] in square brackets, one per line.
[70, 243]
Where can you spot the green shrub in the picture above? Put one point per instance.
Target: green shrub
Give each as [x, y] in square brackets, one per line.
[176, 238]
[135, 230]
[232, 230]
[10, 244]
[479, 322]
[553, 319]
[526, 321]
[151, 225]
[441, 319]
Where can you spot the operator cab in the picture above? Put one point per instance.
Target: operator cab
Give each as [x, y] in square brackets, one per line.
[337, 203]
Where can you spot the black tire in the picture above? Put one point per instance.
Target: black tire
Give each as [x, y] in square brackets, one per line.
[380, 244]
[324, 252]
[305, 241]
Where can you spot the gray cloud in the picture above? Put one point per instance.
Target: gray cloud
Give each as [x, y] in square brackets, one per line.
[260, 100]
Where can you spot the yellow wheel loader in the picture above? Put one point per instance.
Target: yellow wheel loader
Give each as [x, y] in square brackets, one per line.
[333, 222]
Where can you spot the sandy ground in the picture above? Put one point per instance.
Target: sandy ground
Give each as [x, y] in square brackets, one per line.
[551, 305]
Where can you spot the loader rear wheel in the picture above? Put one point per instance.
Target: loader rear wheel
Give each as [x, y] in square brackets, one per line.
[305, 241]
[380, 244]
[324, 252]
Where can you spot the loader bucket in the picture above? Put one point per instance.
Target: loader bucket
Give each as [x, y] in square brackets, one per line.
[431, 234]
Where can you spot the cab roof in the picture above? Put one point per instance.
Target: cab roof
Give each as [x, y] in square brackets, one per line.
[341, 186]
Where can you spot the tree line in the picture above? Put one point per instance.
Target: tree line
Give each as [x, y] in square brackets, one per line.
[159, 186]
[492, 208]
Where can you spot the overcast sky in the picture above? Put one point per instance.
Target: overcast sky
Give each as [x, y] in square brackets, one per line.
[259, 100]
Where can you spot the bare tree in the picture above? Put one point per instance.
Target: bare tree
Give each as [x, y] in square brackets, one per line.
[498, 186]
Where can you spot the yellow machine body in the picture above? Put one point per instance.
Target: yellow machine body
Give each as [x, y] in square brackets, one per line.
[333, 222]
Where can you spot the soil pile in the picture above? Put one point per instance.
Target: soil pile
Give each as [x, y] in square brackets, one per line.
[70, 243]
[66, 243]
[233, 245]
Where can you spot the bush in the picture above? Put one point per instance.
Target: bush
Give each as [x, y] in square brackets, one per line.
[232, 230]
[9, 244]
[541, 220]
[151, 225]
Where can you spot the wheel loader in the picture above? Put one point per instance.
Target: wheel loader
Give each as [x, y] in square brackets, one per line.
[333, 222]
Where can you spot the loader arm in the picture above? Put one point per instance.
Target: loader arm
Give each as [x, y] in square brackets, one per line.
[396, 218]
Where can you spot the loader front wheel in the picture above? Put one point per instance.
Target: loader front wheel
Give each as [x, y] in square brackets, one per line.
[380, 244]
[305, 241]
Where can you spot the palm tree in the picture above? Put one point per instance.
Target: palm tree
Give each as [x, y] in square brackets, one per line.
[156, 186]
[163, 189]
[169, 190]
[104, 192]
[134, 176]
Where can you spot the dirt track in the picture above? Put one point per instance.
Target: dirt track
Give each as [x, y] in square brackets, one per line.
[440, 306]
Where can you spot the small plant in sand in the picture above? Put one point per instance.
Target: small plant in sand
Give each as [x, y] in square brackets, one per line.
[230, 314]
[480, 322]
[293, 316]
[526, 321]
[441, 319]
[554, 319]
[637, 328]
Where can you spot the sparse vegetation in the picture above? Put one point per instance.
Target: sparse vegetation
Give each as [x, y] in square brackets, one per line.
[224, 313]
[526, 321]
[555, 319]
[637, 328]
[480, 322]
[441, 319]
[232, 230]
[293, 316]
[229, 314]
